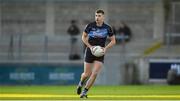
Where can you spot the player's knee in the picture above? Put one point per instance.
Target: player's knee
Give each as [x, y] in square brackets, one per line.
[94, 74]
[86, 74]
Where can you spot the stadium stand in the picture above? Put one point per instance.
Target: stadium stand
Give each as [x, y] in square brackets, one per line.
[28, 23]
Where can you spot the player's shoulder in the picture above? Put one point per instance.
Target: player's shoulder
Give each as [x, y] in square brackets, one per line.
[92, 23]
[107, 25]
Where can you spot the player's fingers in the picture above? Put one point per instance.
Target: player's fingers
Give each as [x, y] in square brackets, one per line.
[91, 48]
[104, 49]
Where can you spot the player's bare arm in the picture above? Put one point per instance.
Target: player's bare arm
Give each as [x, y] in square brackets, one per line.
[85, 39]
[111, 43]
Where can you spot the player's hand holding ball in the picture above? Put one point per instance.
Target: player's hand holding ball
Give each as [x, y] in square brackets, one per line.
[97, 51]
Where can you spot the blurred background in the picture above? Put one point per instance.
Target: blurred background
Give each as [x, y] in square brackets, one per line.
[37, 48]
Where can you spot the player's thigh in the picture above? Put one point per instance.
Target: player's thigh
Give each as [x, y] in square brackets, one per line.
[87, 68]
[97, 67]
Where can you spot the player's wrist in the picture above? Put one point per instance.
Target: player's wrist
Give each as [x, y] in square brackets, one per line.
[105, 49]
[91, 47]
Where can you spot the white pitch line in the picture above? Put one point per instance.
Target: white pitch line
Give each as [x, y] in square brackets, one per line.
[92, 96]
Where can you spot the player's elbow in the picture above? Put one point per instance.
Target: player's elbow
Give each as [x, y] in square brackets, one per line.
[113, 41]
[82, 37]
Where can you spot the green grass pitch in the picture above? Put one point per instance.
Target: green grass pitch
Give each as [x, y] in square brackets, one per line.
[142, 92]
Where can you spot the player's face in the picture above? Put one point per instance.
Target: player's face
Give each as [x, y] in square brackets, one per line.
[99, 17]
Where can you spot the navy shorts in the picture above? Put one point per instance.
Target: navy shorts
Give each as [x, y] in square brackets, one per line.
[90, 58]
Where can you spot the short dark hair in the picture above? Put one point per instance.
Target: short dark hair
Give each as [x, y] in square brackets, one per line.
[100, 11]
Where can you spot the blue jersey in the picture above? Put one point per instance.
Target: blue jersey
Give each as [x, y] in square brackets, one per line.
[98, 34]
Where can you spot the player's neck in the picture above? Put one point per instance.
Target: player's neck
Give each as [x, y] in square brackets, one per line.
[99, 23]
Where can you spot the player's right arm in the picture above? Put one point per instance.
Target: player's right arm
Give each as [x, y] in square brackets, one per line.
[85, 40]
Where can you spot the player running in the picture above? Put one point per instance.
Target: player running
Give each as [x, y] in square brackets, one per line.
[94, 34]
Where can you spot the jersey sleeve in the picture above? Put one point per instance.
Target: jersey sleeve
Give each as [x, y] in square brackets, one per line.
[87, 28]
[110, 31]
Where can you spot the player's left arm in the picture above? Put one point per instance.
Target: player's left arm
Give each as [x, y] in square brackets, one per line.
[111, 43]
